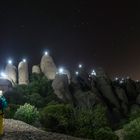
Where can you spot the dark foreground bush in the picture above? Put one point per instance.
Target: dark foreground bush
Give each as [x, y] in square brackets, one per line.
[58, 118]
[105, 134]
[88, 121]
[10, 111]
[132, 130]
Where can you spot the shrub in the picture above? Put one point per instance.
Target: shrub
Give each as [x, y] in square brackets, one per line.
[90, 120]
[10, 111]
[27, 113]
[132, 130]
[105, 134]
[58, 118]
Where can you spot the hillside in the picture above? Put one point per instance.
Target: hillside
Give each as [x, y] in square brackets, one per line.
[18, 130]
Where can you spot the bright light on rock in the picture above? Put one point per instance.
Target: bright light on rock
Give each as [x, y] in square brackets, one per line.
[9, 61]
[80, 65]
[93, 73]
[46, 53]
[24, 60]
[76, 72]
[61, 71]
[3, 75]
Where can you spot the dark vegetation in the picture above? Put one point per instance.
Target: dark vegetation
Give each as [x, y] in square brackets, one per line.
[37, 104]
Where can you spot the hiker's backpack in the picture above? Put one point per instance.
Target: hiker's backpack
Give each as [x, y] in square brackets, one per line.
[3, 103]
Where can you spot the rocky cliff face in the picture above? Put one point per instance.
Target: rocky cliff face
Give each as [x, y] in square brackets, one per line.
[119, 96]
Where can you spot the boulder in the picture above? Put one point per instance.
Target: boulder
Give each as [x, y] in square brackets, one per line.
[120, 92]
[23, 74]
[11, 73]
[36, 69]
[61, 87]
[131, 90]
[48, 66]
[103, 83]
[85, 99]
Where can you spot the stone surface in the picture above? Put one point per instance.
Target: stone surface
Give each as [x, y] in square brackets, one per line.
[104, 86]
[23, 74]
[61, 87]
[11, 73]
[36, 69]
[18, 130]
[48, 66]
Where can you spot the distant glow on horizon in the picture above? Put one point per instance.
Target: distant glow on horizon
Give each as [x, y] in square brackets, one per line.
[80, 66]
[10, 61]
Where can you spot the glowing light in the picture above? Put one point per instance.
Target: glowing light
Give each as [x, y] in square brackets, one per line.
[46, 53]
[61, 70]
[93, 73]
[3, 75]
[80, 66]
[121, 81]
[9, 61]
[24, 60]
[116, 78]
[76, 72]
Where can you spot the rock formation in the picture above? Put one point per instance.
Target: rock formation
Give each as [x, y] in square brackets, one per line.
[36, 69]
[23, 74]
[11, 73]
[61, 88]
[48, 66]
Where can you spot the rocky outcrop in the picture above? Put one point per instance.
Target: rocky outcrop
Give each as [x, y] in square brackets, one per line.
[18, 130]
[11, 73]
[36, 69]
[23, 74]
[103, 84]
[48, 66]
[61, 87]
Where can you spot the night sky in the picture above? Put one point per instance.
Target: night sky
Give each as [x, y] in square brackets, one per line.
[80, 31]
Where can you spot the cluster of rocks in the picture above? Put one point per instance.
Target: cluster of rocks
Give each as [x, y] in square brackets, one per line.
[120, 95]
[21, 76]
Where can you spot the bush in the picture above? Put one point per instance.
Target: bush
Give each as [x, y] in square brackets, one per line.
[105, 134]
[58, 118]
[27, 113]
[132, 130]
[89, 121]
[10, 111]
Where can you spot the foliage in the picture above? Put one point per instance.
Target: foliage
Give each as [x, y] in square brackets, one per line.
[132, 130]
[10, 111]
[38, 92]
[58, 118]
[90, 120]
[134, 113]
[27, 113]
[105, 134]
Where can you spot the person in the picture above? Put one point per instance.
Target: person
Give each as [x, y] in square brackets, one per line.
[3, 106]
